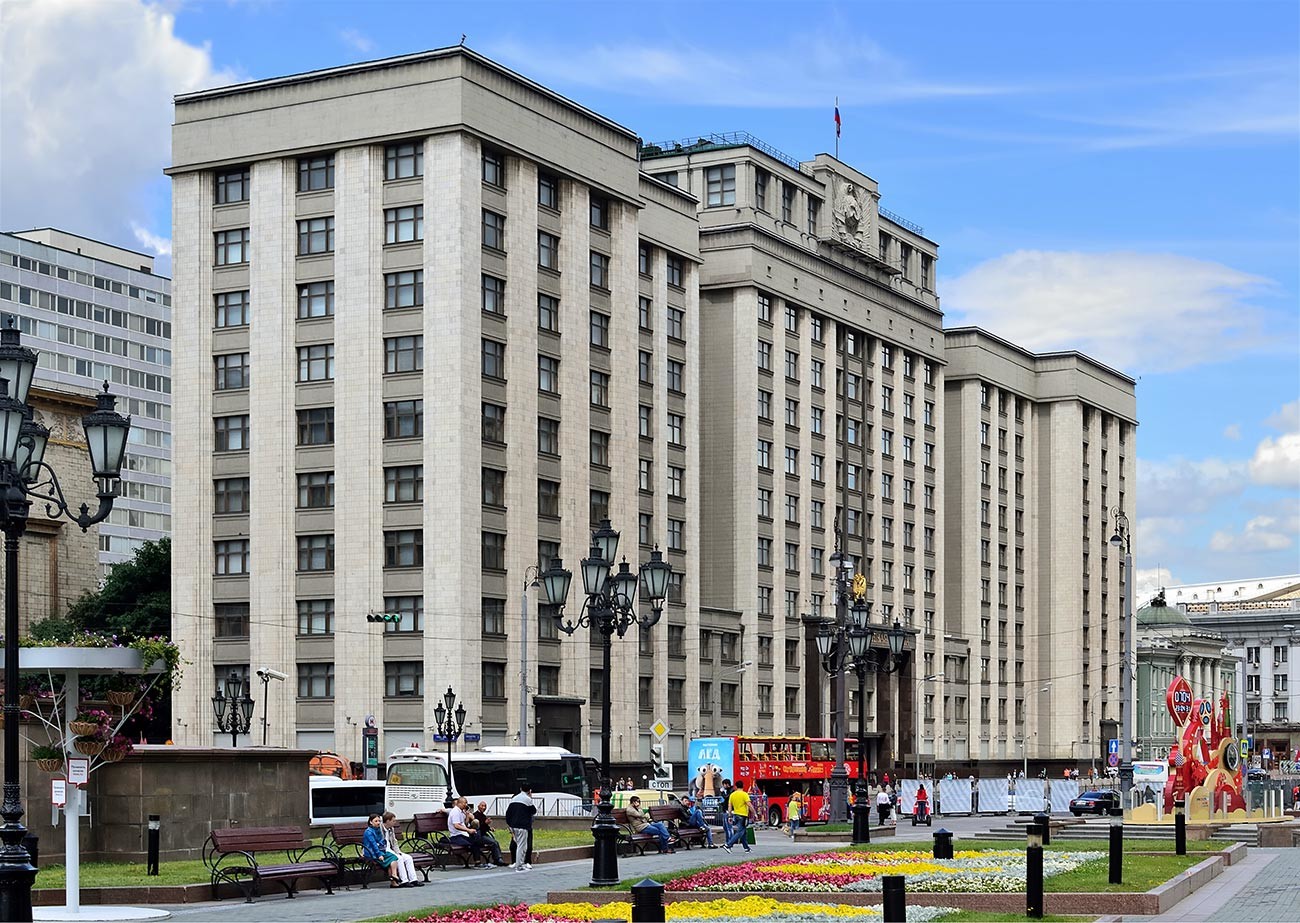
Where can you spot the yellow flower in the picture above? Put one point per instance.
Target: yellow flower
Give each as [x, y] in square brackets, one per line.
[722, 909]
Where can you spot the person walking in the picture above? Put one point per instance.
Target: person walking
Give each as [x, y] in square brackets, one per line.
[795, 810]
[519, 818]
[882, 804]
[738, 812]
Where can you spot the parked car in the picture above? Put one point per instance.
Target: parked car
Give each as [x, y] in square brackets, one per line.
[1095, 802]
[1258, 774]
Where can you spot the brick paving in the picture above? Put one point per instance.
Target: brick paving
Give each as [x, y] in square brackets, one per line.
[1265, 888]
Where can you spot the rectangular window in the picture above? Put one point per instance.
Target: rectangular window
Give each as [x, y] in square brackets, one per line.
[645, 422]
[643, 260]
[494, 423]
[818, 371]
[676, 535]
[404, 484]
[600, 448]
[787, 203]
[404, 224]
[599, 389]
[676, 323]
[548, 374]
[548, 680]
[548, 251]
[675, 271]
[403, 289]
[315, 172]
[761, 178]
[315, 299]
[494, 359]
[231, 495]
[230, 433]
[494, 551]
[599, 212]
[403, 354]
[494, 295]
[599, 507]
[548, 498]
[791, 412]
[548, 436]
[316, 363]
[494, 169]
[764, 356]
[791, 365]
[404, 160]
[764, 552]
[403, 419]
[791, 460]
[232, 186]
[765, 454]
[676, 427]
[548, 313]
[231, 371]
[599, 270]
[316, 235]
[676, 376]
[411, 612]
[232, 309]
[494, 487]
[676, 480]
[315, 616]
[316, 426]
[548, 191]
[231, 556]
[494, 230]
[816, 324]
[600, 329]
[791, 319]
[764, 308]
[316, 552]
[231, 247]
[645, 313]
[403, 679]
[315, 680]
[404, 548]
[720, 185]
[814, 209]
[818, 468]
[315, 490]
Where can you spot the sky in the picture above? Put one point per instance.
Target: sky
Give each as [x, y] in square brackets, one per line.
[1120, 178]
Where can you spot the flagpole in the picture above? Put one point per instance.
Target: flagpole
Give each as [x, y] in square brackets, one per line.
[837, 128]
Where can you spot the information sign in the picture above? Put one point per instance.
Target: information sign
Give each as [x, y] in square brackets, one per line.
[1113, 759]
[78, 771]
[58, 793]
[1112, 746]
[659, 730]
[661, 785]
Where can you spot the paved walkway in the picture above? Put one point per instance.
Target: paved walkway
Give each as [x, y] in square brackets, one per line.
[1263, 889]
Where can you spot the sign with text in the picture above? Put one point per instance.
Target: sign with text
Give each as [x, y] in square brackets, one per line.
[78, 771]
[1178, 699]
[58, 793]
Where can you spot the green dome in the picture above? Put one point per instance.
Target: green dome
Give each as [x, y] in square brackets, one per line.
[1158, 614]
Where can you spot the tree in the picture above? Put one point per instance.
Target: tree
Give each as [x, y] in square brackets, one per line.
[135, 600]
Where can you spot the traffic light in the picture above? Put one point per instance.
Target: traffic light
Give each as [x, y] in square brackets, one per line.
[662, 770]
[383, 617]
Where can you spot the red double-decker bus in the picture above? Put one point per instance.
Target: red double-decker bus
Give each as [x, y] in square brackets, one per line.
[779, 766]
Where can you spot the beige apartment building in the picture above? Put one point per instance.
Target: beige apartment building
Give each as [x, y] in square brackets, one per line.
[1041, 448]
[731, 352]
[333, 229]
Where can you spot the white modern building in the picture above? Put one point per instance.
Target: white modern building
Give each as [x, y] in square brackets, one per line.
[97, 313]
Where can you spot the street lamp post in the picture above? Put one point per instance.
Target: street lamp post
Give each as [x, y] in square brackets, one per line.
[233, 707]
[24, 473]
[844, 579]
[450, 719]
[864, 649]
[1024, 732]
[610, 608]
[916, 712]
[531, 573]
[1123, 538]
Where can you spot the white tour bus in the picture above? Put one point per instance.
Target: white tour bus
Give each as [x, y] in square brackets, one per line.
[417, 779]
[334, 800]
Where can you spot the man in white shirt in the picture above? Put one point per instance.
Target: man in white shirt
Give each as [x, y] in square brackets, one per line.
[462, 833]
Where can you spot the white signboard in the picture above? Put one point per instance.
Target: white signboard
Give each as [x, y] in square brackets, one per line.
[661, 785]
[1155, 772]
[78, 771]
[58, 792]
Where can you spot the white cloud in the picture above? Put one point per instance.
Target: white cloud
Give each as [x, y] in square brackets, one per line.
[1159, 535]
[85, 111]
[1286, 420]
[1232, 431]
[1180, 486]
[1150, 312]
[1277, 462]
[159, 246]
[1148, 580]
[357, 41]
[1263, 533]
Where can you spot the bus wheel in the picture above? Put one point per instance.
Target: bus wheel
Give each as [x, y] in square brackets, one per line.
[774, 817]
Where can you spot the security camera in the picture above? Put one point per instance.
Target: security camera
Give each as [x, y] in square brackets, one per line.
[267, 673]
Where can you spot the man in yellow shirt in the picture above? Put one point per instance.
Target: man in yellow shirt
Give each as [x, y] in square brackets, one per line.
[738, 812]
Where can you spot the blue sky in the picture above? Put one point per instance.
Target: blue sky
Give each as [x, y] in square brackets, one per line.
[1117, 177]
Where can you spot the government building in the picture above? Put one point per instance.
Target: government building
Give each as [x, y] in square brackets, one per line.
[733, 354]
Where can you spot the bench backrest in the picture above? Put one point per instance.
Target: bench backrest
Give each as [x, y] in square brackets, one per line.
[435, 822]
[664, 812]
[351, 833]
[620, 815]
[258, 839]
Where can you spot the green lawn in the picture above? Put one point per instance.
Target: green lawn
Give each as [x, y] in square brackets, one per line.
[193, 871]
[1141, 873]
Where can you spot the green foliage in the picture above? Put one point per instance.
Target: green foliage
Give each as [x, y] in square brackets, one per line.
[135, 601]
[47, 753]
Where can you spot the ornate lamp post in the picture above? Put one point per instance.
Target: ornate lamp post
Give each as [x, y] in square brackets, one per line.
[844, 592]
[863, 649]
[610, 608]
[233, 707]
[1123, 538]
[450, 719]
[23, 474]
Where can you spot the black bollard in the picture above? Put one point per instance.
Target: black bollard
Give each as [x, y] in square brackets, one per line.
[155, 824]
[1044, 821]
[895, 895]
[861, 816]
[604, 830]
[1116, 846]
[647, 901]
[1034, 871]
[1180, 828]
[943, 843]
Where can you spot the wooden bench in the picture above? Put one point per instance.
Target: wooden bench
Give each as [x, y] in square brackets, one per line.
[686, 834]
[347, 840]
[231, 853]
[429, 833]
[629, 840]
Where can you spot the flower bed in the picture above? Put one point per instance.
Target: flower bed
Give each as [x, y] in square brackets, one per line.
[749, 908]
[987, 871]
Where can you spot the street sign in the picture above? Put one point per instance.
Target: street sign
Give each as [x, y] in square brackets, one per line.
[659, 729]
[1112, 747]
[58, 793]
[473, 738]
[1113, 759]
[78, 771]
[661, 785]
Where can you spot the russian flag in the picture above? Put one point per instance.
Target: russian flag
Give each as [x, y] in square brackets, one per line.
[837, 118]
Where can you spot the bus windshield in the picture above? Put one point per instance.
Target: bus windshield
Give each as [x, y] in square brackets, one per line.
[418, 774]
[475, 778]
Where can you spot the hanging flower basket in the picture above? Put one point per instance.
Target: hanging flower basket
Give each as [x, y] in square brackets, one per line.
[88, 746]
[51, 764]
[27, 702]
[120, 697]
[113, 755]
[83, 728]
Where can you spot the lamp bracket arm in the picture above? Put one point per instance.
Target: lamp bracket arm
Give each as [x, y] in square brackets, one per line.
[45, 488]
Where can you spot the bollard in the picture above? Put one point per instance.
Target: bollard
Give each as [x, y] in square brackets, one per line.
[647, 901]
[1180, 828]
[894, 888]
[1044, 821]
[155, 824]
[1116, 846]
[1034, 871]
[943, 843]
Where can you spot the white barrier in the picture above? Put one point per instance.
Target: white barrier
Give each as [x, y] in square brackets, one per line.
[1063, 791]
[907, 796]
[994, 796]
[954, 796]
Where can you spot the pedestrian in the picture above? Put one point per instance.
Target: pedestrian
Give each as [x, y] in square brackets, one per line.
[882, 804]
[738, 811]
[519, 818]
[795, 811]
